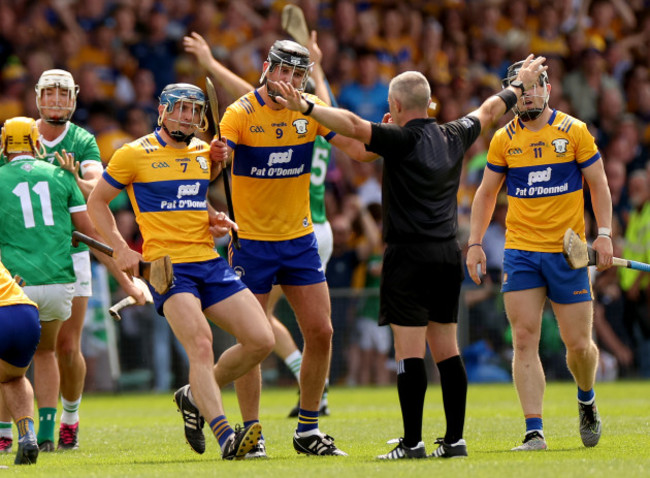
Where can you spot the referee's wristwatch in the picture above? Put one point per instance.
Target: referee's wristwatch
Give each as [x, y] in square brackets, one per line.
[518, 84]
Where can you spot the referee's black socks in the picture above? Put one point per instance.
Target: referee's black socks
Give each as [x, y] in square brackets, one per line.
[453, 381]
[411, 388]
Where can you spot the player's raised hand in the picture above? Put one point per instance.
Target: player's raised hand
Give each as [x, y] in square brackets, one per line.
[531, 69]
[196, 44]
[67, 162]
[291, 98]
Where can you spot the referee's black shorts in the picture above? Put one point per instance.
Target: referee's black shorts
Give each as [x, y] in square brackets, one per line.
[421, 283]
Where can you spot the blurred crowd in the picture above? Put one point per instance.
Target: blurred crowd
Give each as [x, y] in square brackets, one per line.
[123, 52]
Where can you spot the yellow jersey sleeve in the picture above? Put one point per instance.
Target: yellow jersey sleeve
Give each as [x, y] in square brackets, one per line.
[10, 292]
[167, 188]
[271, 167]
[543, 179]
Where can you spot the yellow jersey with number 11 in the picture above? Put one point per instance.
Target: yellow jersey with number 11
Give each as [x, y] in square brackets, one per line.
[543, 179]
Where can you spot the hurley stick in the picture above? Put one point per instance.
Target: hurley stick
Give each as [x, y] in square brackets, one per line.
[214, 108]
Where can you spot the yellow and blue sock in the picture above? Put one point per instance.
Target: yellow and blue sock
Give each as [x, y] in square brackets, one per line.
[307, 421]
[221, 429]
[25, 427]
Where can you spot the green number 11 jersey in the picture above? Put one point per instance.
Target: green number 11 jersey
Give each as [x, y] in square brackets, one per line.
[37, 199]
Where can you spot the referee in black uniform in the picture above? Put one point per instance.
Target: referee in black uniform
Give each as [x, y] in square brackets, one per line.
[422, 270]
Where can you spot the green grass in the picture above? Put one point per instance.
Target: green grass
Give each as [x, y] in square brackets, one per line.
[141, 435]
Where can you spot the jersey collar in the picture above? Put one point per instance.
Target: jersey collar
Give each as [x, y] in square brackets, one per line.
[159, 138]
[550, 120]
[259, 98]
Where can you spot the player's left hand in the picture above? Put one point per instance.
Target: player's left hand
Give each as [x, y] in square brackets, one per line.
[221, 224]
[67, 162]
[605, 252]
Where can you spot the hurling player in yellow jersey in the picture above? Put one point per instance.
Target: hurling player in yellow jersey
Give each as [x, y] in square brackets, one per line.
[544, 156]
[271, 149]
[21, 331]
[166, 175]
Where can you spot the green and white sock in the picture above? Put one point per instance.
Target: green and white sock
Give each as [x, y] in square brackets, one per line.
[5, 430]
[70, 414]
[294, 361]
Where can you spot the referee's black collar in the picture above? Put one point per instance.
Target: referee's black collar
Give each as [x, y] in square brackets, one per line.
[415, 121]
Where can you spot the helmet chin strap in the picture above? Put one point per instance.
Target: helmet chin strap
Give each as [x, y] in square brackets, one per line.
[57, 121]
[532, 114]
[179, 135]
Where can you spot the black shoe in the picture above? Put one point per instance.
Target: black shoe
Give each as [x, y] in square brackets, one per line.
[192, 420]
[295, 410]
[403, 451]
[27, 452]
[590, 424]
[316, 445]
[243, 441]
[446, 450]
[47, 445]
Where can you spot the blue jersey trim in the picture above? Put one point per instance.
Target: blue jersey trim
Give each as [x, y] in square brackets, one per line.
[497, 169]
[108, 178]
[590, 161]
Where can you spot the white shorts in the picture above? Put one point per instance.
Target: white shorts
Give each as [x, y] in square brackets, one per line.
[54, 300]
[325, 241]
[83, 287]
[372, 336]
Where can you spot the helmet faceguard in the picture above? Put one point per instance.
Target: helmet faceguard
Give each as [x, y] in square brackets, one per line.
[66, 95]
[287, 53]
[187, 97]
[20, 135]
[539, 90]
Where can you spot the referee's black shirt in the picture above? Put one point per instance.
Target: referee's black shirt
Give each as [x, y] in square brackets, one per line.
[422, 165]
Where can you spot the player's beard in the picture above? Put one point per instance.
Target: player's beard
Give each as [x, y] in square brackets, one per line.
[273, 93]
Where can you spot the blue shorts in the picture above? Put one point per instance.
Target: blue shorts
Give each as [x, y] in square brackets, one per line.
[21, 332]
[210, 281]
[262, 264]
[527, 270]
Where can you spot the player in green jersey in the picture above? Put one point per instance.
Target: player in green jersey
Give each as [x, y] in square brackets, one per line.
[42, 204]
[56, 98]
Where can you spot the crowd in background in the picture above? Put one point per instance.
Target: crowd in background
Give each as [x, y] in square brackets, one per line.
[123, 52]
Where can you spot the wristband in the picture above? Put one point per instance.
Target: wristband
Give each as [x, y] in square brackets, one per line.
[475, 244]
[509, 97]
[605, 231]
[310, 107]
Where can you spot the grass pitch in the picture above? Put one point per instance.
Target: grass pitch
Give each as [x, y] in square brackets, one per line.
[142, 435]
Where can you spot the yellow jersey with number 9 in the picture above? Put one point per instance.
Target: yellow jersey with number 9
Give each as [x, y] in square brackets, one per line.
[271, 166]
[168, 189]
[543, 179]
